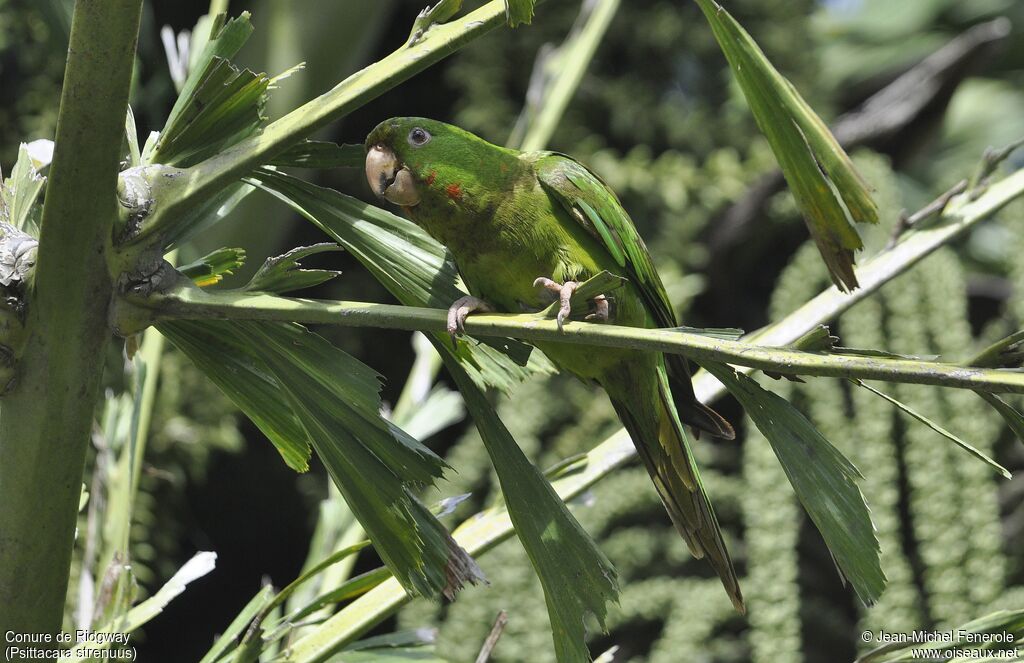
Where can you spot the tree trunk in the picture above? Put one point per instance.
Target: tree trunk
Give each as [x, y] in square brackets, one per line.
[46, 422]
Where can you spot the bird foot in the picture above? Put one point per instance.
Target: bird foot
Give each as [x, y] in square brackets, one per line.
[459, 310]
[564, 293]
[600, 313]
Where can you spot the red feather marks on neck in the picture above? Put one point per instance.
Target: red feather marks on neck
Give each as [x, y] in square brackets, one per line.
[453, 190]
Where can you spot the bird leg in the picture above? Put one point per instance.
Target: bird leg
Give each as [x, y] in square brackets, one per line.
[564, 291]
[458, 312]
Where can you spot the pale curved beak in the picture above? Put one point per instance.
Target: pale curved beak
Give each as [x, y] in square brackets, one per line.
[389, 179]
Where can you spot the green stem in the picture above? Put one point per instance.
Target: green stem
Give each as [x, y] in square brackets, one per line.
[960, 214]
[46, 422]
[993, 355]
[151, 352]
[194, 304]
[124, 488]
[572, 60]
[206, 179]
[417, 385]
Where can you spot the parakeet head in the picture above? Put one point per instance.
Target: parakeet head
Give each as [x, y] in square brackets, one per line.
[412, 159]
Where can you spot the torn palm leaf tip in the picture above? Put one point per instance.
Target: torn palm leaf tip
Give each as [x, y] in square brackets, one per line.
[373, 463]
[576, 576]
[824, 480]
[518, 12]
[831, 194]
[333, 406]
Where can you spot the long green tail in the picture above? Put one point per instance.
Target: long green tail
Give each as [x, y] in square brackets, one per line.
[645, 406]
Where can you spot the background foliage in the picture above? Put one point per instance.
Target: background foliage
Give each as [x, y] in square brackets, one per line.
[658, 116]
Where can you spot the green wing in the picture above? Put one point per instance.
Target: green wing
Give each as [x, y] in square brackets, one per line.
[596, 208]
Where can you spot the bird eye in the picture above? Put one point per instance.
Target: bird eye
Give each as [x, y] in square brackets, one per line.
[418, 137]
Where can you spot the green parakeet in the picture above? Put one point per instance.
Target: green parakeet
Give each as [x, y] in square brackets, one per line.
[524, 228]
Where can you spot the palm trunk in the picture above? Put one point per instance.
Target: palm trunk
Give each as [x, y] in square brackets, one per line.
[46, 422]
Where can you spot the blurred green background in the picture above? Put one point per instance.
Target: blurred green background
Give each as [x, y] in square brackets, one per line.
[658, 116]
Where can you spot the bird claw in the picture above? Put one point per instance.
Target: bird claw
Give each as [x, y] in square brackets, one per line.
[600, 313]
[548, 284]
[564, 291]
[457, 313]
